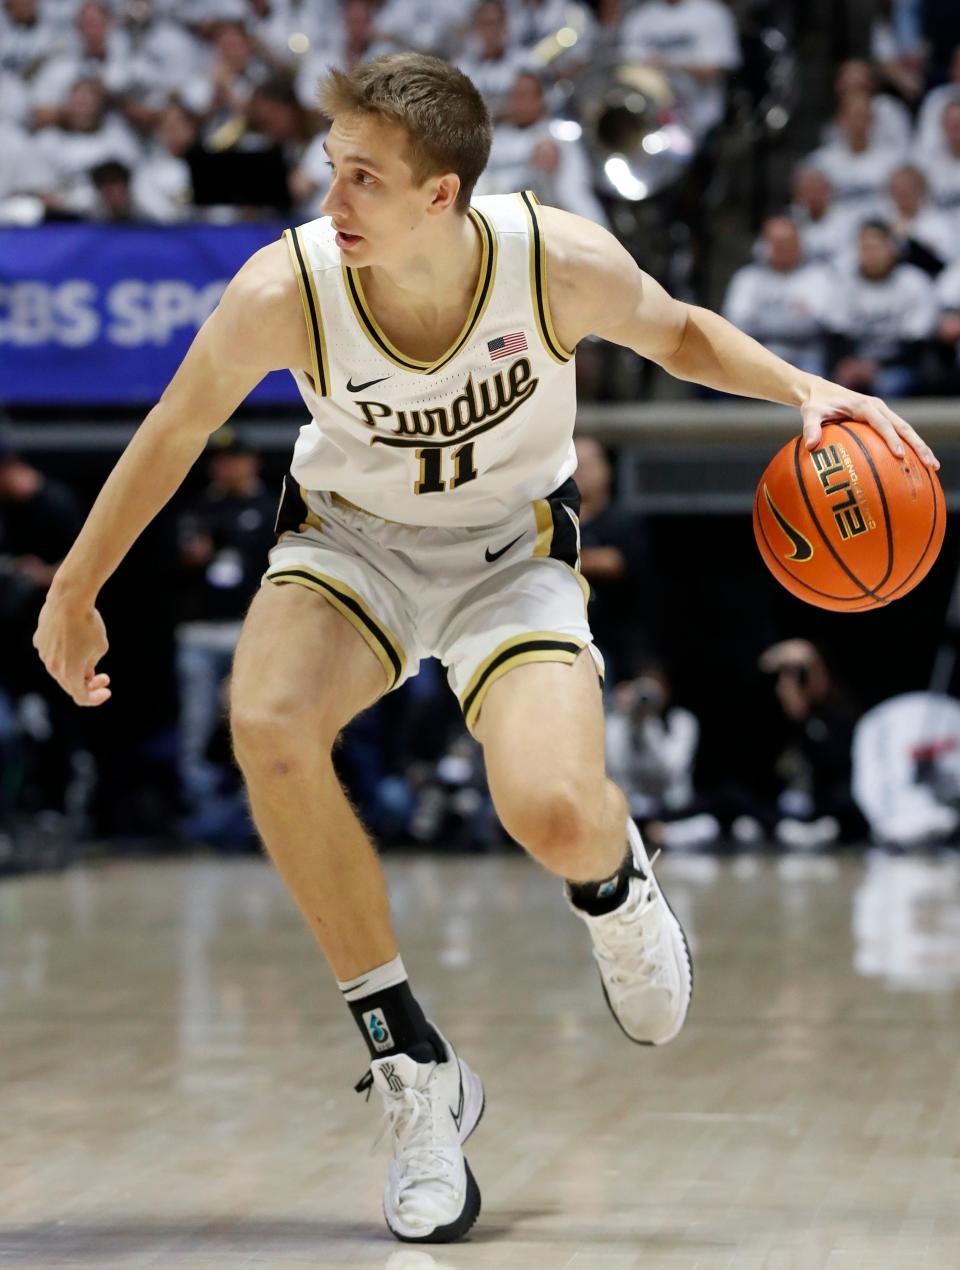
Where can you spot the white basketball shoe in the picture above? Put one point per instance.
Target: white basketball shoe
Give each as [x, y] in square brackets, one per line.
[431, 1108]
[643, 957]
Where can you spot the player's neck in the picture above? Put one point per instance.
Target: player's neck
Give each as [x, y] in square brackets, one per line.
[435, 275]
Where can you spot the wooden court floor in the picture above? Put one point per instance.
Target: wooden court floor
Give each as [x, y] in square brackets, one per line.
[177, 1069]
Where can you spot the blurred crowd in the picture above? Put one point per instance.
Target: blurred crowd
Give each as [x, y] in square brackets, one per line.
[859, 277]
[159, 110]
[163, 111]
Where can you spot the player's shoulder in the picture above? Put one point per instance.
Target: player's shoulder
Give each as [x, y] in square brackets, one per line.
[579, 251]
[260, 311]
[587, 268]
[264, 291]
[266, 277]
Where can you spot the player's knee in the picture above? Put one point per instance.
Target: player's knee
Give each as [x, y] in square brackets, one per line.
[275, 738]
[554, 824]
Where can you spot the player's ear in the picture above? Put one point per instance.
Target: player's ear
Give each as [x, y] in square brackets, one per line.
[445, 192]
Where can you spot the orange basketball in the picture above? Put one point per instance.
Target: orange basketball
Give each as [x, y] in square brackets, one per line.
[848, 526]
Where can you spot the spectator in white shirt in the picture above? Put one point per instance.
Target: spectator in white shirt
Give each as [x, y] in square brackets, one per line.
[310, 179]
[97, 50]
[275, 117]
[526, 154]
[891, 125]
[882, 317]
[13, 98]
[857, 169]
[282, 31]
[27, 37]
[87, 137]
[22, 177]
[897, 45]
[536, 22]
[943, 170]
[948, 325]
[930, 138]
[695, 41]
[424, 24]
[113, 202]
[827, 233]
[162, 55]
[223, 92]
[489, 59]
[162, 185]
[531, 21]
[780, 300]
[352, 40]
[926, 236]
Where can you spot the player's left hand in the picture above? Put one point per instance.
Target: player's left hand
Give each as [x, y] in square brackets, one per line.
[827, 402]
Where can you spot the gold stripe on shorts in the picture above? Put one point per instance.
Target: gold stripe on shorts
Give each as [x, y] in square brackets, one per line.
[518, 650]
[544, 517]
[385, 646]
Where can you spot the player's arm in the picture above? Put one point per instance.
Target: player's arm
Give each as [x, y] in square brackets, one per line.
[596, 288]
[257, 327]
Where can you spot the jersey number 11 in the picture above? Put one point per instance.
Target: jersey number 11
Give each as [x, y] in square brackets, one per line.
[431, 468]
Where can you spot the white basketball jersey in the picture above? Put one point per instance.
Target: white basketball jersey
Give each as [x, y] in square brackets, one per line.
[462, 441]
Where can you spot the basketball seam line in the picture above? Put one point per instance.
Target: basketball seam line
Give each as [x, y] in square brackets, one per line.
[923, 555]
[883, 502]
[820, 529]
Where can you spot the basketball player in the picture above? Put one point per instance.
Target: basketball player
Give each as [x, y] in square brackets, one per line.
[430, 510]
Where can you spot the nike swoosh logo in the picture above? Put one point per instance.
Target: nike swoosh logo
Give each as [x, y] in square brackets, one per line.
[490, 556]
[352, 387]
[802, 547]
[458, 1114]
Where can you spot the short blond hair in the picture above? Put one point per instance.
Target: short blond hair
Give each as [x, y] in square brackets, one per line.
[439, 108]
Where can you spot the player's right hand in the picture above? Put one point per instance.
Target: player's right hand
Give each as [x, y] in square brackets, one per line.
[71, 641]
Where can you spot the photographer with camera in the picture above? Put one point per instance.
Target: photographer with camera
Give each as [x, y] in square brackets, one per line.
[815, 806]
[651, 750]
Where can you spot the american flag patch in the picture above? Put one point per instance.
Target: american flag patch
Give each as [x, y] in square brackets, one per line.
[507, 345]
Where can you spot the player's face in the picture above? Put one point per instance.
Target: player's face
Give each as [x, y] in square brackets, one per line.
[378, 211]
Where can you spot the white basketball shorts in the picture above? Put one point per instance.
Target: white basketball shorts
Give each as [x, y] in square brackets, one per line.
[483, 600]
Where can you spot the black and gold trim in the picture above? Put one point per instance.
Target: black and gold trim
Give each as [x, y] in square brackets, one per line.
[478, 305]
[319, 366]
[385, 646]
[558, 537]
[538, 280]
[294, 515]
[519, 650]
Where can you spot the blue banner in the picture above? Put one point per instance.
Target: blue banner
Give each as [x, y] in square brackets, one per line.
[98, 314]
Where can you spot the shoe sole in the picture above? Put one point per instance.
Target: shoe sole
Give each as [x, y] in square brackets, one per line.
[453, 1230]
[686, 952]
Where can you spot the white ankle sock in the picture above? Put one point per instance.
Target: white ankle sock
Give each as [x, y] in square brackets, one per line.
[386, 976]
